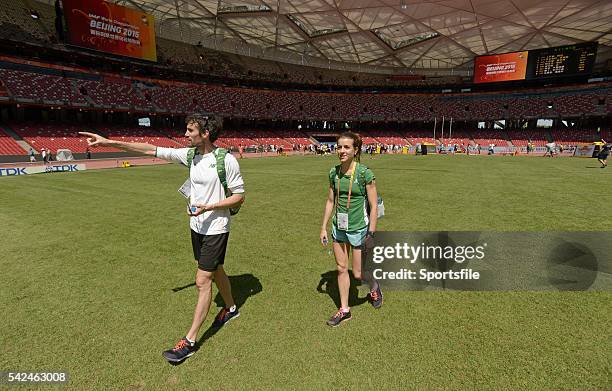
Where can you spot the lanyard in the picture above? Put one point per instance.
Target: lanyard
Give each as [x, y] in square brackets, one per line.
[348, 202]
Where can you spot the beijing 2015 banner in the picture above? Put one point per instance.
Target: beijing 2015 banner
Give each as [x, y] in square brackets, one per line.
[103, 26]
[500, 67]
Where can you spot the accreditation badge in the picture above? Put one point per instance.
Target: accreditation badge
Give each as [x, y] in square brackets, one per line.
[185, 189]
[342, 220]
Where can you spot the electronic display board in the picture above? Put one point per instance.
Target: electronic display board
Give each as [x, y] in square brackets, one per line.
[500, 67]
[107, 27]
[571, 60]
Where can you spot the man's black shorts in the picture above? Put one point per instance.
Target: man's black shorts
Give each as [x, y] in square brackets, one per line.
[209, 250]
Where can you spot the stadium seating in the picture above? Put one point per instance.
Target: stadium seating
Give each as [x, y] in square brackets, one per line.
[263, 137]
[54, 137]
[573, 136]
[236, 139]
[64, 136]
[42, 88]
[460, 137]
[42, 85]
[8, 146]
[171, 99]
[489, 136]
[138, 135]
[419, 137]
[112, 93]
[574, 105]
[521, 137]
[295, 137]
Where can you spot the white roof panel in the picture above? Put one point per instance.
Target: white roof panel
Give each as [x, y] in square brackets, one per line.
[390, 33]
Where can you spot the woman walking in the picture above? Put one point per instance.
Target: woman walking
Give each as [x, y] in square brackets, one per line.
[352, 199]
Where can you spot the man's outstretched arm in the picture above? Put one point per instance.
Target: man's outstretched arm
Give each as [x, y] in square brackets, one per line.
[95, 140]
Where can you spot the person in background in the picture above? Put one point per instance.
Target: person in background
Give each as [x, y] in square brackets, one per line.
[602, 158]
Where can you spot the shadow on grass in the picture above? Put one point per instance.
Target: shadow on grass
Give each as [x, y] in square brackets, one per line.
[180, 288]
[329, 285]
[243, 287]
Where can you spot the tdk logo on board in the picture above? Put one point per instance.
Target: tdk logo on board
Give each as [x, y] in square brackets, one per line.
[13, 171]
[66, 167]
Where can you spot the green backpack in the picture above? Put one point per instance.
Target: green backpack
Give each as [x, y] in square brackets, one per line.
[220, 155]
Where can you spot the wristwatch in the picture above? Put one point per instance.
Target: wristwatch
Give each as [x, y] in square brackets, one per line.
[370, 234]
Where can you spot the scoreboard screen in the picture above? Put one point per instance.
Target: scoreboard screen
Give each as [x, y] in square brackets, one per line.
[562, 61]
[572, 60]
[111, 28]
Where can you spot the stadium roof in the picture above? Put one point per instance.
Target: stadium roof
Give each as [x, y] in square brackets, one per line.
[409, 35]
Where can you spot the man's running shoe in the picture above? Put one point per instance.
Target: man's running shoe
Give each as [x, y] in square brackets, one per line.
[338, 318]
[224, 316]
[376, 298]
[181, 351]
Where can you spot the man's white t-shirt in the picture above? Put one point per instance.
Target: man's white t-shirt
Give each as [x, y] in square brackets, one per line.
[206, 187]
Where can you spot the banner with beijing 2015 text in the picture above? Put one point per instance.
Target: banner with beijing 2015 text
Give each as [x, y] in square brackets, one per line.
[103, 26]
[500, 67]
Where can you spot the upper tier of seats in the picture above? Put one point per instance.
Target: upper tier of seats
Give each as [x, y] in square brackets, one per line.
[47, 86]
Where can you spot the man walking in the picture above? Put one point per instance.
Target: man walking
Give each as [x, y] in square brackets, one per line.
[209, 212]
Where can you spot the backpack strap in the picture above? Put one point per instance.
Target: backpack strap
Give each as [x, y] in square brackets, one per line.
[190, 155]
[220, 155]
[361, 178]
[333, 173]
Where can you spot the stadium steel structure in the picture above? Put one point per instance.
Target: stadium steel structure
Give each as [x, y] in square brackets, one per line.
[400, 35]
